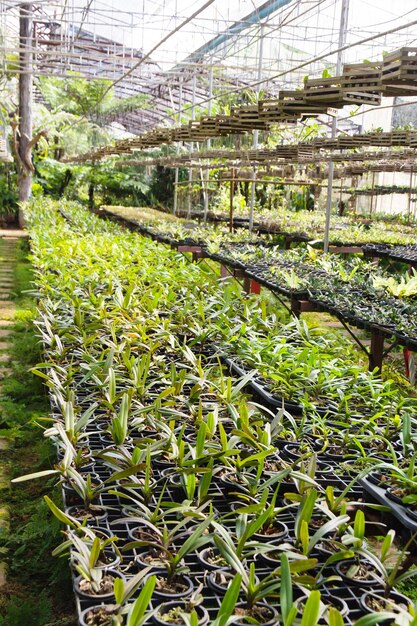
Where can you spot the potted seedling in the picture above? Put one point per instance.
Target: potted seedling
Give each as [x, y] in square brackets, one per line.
[123, 613]
[256, 590]
[364, 569]
[272, 530]
[308, 610]
[134, 473]
[94, 582]
[161, 554]
[181, 613]
[118, 429]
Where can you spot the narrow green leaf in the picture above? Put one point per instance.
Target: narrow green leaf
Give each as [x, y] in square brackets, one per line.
[229, 601]
[118, 590]
[311, 609]
[95, 552]
[375, 618]
[41, 474]
[335, 617]
[359, 525]
[286, 594]
[142, 602]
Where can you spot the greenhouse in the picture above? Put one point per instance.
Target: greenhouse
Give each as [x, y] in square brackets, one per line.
[208, 313]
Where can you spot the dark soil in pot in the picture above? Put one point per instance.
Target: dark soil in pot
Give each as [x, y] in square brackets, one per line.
[396, 494]
[274, 533]
[375, 603]
[180, 586]
[142, 533]
[150, 558]
[328, 547]
[97, 616]
[108, 559]
[71, 496]
[337, 603]
[272, 466]
[362, 574]
[317, 521]
[328, 601]
[231, 482]
[95, 516]
[170, 613]
[105, 593]
[272, 558]
[263, 613]
[211, 559]
[336, 453]
[220, 579]
[294, 451]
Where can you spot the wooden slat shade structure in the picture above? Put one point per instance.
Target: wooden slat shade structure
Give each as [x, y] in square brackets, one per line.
[361, 83]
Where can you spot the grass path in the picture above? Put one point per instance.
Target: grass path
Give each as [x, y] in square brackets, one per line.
[35, 588]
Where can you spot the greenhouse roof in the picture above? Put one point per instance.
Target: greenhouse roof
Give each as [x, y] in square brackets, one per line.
[167, 49]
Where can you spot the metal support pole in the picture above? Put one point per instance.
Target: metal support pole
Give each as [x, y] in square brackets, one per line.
[190, 183]
[176, 191]
[341, 197]
[409, 195]
[372, 194]
[176, 169]
[342, 40]
[190, 171]
[232, 195]
[256, 132]
[210, 95]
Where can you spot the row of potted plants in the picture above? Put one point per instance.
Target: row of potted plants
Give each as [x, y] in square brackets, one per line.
[292, 351]
[324, 279]
[300, 225]
[175, 230]
[339, 387]
[353, 229]
[403, 254]
[354, 288]
[365, 396]
[238, 514]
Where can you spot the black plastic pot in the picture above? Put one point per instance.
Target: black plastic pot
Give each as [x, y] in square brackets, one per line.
[97, 598]
[185, 581]
[329, 601]
[97, 607]
[208, 564]
[149, 559]
[94, 518]
[371, 581]
[163, 464]
[277, 534]
[220, 579]
[271, 621]
[410, 508]
[166, 607]
[231, 486]
[71, 496]
[383, 604]
[402, 512]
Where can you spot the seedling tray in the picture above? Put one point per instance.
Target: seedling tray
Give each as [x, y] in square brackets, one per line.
[270, 400]
[397, 510]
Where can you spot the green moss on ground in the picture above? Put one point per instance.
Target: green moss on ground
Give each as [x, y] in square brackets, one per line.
[38, 589]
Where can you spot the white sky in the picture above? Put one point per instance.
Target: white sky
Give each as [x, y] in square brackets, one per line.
[142, 23]
[301, 30]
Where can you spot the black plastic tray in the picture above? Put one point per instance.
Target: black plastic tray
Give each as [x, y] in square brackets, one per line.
[397, 510]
